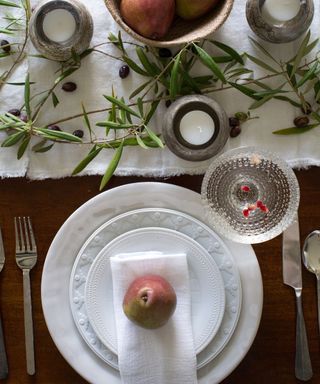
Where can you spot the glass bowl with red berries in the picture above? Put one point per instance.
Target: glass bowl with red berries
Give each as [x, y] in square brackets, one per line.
[251, 195]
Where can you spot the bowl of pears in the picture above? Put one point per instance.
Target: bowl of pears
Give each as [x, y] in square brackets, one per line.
[166, 23]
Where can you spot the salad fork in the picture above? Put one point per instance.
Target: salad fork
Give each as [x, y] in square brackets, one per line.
[26, 258]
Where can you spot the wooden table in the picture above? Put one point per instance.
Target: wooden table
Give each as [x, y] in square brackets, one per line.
[50, 202]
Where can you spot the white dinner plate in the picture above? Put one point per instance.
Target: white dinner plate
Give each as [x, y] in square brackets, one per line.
[82, 223]
[206, 284]
[162, 218]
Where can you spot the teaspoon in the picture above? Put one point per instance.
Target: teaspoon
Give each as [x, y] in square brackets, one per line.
[311, 259]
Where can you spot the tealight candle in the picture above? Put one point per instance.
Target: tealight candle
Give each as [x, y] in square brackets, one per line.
[278, 11]
[59, 25]
[197, 127]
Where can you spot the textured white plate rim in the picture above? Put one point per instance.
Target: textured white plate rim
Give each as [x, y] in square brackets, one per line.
[202, 360]
[156, 194]
[210, 264]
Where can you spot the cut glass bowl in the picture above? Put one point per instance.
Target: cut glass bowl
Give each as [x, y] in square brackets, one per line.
[251, 195]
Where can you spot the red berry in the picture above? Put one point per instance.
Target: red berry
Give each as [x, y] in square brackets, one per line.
[245, 188]
[264, 208]
[259, 203]
[246, 212]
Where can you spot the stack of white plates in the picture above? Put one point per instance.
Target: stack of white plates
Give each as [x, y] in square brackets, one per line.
[226, 289]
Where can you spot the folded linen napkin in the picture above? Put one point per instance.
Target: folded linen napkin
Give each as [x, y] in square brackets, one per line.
[160, 356]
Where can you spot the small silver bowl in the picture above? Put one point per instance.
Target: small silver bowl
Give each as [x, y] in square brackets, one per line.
[282, 32]
[172, 134]
[78, 42]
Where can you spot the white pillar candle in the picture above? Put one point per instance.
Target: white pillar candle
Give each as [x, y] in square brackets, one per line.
[59, 25]
[280, 10]
[197, 127]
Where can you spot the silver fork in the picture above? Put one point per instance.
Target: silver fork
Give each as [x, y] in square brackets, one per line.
[26, 258]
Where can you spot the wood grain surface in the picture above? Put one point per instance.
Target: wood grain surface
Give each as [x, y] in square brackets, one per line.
[50, 202]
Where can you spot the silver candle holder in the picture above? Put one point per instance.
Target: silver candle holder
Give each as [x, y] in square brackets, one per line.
[176, 142]
[279, 32]
[61, 50]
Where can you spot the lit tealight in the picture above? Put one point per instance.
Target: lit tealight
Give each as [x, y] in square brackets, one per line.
[197, 127]
[277, 11]
[59, 25]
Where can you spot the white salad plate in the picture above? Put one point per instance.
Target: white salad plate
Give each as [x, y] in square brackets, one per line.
[162, 218]
[79, 227]
[206, 284]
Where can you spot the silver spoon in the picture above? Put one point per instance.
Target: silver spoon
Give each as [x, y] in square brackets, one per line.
[311, 259]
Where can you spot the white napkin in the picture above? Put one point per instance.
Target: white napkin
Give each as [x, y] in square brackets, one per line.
[160, 356]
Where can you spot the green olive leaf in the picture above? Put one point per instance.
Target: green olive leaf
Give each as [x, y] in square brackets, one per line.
[112, 166]
[83, 163]
[121, 105]
[234, 54]
[295, 130]
[154, 137]
[208, 61]
[174, 86]
[51, 134]
[262, 64]
[23, 146]
[13, 139]
[27, 97]
[9, 4]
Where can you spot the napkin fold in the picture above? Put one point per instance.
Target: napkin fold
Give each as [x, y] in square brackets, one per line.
[160, 356]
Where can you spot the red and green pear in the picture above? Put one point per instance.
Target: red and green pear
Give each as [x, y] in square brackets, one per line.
[192, 9]
[150, 301]
[149, 18]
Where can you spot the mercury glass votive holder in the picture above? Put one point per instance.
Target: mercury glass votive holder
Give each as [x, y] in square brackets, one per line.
[279, 30]
[195, 128]
[71, 15]
[250, 195]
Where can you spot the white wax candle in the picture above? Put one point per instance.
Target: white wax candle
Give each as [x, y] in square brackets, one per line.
[197, 127]
[59, 25]
[280, 10]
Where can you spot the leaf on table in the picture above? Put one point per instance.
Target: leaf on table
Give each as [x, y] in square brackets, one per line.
[27, 97]
[13, 139]
[23, 146]
[226, 48]
[302, 51]
[113, 125]
[208, 61]
[295, 130]
[154, 137]
[51, 134]
[83, 163]
[121, 105]
[151, 68]
[6, 3]
[245, 90]
[262, 64]
[55, 100]
[135, 67]
[112, 166]
[174, 76]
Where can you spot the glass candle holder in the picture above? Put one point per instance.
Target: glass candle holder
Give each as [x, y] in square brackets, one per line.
[195, 128]
[279, 22]
[58, 27]
[251, 195]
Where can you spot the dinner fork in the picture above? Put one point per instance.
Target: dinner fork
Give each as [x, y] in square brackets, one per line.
[3, 354]
[26, 258]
